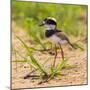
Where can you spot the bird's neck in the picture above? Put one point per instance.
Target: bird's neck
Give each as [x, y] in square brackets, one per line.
[50, 27]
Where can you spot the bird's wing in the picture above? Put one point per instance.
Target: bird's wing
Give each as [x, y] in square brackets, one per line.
[62, 35]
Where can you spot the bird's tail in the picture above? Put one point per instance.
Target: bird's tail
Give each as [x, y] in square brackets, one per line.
[72, 45]
[76, 46]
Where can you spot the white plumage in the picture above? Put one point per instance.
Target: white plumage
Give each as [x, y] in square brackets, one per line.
[55, 39]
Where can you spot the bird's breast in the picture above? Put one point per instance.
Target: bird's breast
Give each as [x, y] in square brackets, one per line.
[49, 33]
[55, 39]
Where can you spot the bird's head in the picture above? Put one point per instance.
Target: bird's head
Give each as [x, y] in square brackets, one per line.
[49, 23]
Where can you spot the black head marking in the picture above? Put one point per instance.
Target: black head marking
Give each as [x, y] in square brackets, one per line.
[49, 33]
[50, 21]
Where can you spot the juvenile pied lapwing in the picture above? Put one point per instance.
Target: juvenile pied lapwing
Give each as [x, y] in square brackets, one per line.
[56, 36]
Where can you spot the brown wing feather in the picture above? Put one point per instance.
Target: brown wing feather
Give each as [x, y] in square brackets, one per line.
[62, 35]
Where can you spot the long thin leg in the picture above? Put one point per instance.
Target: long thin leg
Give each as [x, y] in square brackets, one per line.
[62, 53]
[55, 56]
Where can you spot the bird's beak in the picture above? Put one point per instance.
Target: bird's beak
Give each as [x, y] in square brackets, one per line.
[42, 23]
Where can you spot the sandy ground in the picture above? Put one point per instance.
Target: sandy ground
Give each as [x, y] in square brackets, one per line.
[74, 75]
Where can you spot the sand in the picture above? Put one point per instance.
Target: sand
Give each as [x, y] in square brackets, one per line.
[75, 74]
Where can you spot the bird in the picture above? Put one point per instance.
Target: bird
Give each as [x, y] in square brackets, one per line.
[56, 36]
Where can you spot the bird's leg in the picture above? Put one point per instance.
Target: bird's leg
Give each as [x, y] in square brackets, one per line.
[55, 56]
[62, 53]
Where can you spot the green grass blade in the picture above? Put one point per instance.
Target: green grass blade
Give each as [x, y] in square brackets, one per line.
[28, 49]
[39, 42]
[20, 61]
[33, 60]
[59, 67]
[79, 46]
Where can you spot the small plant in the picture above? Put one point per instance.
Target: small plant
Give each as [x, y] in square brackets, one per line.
[42, 72]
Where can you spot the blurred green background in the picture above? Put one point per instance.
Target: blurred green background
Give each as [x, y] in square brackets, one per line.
[72, 19]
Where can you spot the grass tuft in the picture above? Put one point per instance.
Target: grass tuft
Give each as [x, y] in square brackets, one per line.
[40, 67]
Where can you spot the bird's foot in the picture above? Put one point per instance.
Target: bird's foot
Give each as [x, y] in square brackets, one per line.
[51, 53]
